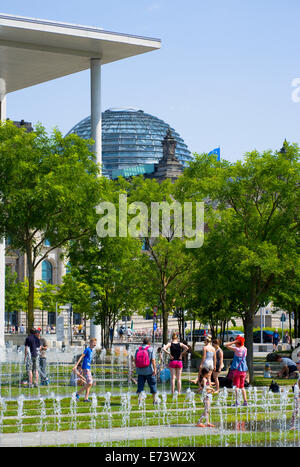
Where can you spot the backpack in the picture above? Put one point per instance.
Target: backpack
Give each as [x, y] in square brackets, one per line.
[142, 359]
[274, 387]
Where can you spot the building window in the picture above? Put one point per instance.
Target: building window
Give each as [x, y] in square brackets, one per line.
[51, 318]
[76, 318]
[47, 272]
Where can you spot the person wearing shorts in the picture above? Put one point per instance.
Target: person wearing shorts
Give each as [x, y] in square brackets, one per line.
[32, 345]
[177, 350]
[239, 367]
[147, 373]
[86, 359]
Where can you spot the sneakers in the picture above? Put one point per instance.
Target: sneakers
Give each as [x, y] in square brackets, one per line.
[201, 425]
[87, 400]
[245, 404]
[235, 405]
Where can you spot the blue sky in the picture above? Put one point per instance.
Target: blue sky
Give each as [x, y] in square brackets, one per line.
[223, 76]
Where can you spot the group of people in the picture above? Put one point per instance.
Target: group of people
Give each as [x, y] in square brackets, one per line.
[35, 358]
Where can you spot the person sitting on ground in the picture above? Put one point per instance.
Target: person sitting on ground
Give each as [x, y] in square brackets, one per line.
[267, 371]
[288, 367]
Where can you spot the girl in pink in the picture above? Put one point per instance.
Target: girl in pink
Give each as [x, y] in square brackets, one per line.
[177, 350]
[239, 366]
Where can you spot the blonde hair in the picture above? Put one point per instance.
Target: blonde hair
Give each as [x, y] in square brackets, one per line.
[207, 339]
[174, 335]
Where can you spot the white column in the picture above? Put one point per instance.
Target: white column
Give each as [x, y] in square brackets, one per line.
[95, 331]
[96, 122]
[2, 258]
[96, 135]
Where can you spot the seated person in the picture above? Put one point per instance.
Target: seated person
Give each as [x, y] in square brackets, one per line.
[267, 371]
[288, 367]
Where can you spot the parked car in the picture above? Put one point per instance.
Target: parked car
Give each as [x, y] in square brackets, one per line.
[200, 334]
[267, 337]
[230, 335]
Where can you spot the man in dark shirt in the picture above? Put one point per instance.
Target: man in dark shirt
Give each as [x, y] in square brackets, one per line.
[32, 345]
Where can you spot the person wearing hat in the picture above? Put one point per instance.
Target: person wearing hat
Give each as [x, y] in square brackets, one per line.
[42, 359]
[32, 345]
[239, 366]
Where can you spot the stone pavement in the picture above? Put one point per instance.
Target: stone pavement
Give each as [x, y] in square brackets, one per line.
[74, 437]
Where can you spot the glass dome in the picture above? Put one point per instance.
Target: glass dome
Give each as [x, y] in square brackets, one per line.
[131, 138]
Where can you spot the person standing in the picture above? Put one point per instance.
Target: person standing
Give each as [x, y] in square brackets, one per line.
[86, 359]
[275, 340]
[146, 368]
[177, 350]
[22, 329]
[42, 359]
[32, 345]
[239, 367]
[219, 363]
[206, 392]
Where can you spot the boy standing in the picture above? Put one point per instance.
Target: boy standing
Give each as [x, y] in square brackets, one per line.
[86, 368]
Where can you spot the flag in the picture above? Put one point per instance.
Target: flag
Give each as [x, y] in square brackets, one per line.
[217, 152]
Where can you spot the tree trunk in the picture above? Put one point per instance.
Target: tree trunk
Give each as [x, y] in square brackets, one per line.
[30, 276]
[248, 322]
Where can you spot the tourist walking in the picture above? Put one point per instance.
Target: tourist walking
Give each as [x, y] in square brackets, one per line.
[177, 350]
[86, 359]
[219, 363]
[206, 392]
[146, 368]
[32, 345]
[239, 367]
[275, 340]
[43, 359]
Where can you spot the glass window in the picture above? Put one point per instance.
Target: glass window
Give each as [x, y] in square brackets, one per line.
[47, 272]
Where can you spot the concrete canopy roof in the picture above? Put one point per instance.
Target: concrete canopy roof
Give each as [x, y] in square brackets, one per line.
[33, 51]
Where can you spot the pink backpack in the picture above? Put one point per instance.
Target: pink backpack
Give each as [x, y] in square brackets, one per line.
[142, 359]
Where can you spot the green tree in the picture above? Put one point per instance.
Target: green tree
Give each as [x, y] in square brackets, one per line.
[49, 186]
[13, 292]
[252, 215]
[48, 298]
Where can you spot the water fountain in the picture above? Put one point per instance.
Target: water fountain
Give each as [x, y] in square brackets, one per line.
[266, 420]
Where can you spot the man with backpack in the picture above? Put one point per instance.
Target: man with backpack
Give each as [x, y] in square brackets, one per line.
[146, 368]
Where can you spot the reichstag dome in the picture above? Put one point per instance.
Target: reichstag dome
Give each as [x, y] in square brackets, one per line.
[131, 138]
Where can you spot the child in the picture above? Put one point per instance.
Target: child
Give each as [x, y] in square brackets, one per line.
[296, 404]
[86, 368]
[77, 377]
[267, 371]
[239, 365]
[207, 392]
